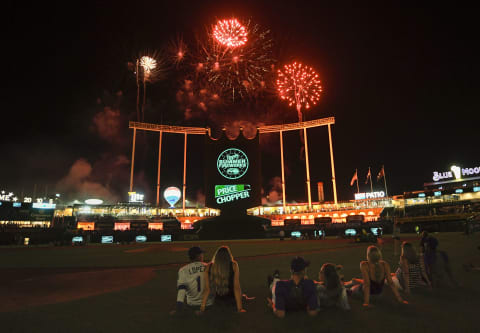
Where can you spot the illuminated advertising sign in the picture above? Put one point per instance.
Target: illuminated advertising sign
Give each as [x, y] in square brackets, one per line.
[476, 189]
[456, 172]
[107, 239]
[172, 195]
[77, 239]
[93, 201]
[369, 195]
[375, 231]
[232, 163]
[166, 238]
[135, 197]
[43, 205]
[141, 239]
[350, 232]
[229, 193]
[232, 173]
[296, 234]
[437, 193]
[7, 197]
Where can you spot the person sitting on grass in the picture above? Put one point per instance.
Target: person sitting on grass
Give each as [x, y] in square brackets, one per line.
[330, 288]
[191, 282]
[374, 272]
[222, 277]
[438, 265]
[411, 271]
[296, 294]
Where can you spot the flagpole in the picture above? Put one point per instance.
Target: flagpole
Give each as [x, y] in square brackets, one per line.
[370, 174]
[356, 173]
[385, 181]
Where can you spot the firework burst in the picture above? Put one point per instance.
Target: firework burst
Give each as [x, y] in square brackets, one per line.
[299, 85]
[230, 33]
[148, 64]
[177, 51]
[236, 72]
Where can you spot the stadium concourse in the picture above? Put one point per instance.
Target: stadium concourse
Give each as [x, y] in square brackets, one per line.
[128, 220]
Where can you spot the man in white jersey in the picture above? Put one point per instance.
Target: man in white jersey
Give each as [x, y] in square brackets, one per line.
[191, 281]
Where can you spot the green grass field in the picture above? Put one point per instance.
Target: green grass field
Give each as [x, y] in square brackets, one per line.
[144, 307]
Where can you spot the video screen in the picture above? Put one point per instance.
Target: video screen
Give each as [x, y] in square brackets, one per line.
[296, 234]
[77, 239]
[166, 238]
[375, 231]
[107, 239]
[318, 233]
[350, 232]
[141, 239]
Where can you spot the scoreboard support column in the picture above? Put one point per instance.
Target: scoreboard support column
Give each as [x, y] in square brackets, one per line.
[133, 159]
[184, 171]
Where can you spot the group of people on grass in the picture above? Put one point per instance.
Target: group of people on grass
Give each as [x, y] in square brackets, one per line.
[201, 285]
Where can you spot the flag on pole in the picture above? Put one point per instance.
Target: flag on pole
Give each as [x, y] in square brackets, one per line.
[381, 174]
[354, 178]
[369, 176]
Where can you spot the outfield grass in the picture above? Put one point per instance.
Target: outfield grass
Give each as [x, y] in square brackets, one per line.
[145, 308]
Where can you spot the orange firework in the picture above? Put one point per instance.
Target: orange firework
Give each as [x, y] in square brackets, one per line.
[230, 33]
[299, 85]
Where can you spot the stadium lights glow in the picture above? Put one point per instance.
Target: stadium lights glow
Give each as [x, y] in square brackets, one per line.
[93, 201]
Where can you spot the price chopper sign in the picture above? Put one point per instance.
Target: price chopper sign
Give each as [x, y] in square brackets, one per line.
[228, 193]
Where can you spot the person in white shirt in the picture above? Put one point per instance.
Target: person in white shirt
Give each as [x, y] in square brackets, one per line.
[191, 282]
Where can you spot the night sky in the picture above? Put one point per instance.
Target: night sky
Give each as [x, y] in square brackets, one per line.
[402, 84]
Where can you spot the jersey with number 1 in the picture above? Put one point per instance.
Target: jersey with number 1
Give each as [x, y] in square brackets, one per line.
[191, 284]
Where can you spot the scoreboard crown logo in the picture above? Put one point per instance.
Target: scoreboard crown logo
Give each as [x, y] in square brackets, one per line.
[232, 163]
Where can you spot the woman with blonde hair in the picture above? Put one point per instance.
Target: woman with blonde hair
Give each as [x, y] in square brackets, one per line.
[375, 271]
[411, 271]
[222, 277]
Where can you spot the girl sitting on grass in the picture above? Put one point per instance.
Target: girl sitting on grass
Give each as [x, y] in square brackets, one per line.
[330, 289]
[411, 271]
[222, 278]
[375, 272]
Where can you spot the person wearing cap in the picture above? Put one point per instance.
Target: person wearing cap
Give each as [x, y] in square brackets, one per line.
[191, 282]
[296, 294]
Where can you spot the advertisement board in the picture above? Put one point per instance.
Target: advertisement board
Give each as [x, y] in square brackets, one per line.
[232, 172]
